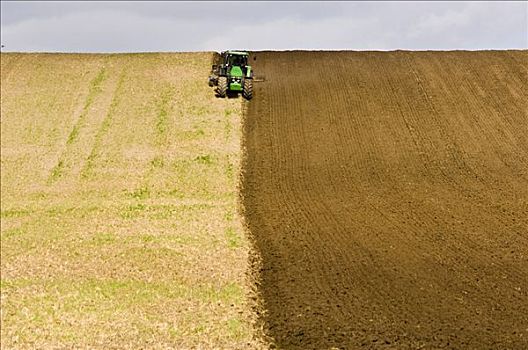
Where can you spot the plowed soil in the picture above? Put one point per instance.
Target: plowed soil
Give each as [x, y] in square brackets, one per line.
[387, 196]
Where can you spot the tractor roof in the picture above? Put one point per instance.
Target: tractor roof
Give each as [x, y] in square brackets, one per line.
[241, 53]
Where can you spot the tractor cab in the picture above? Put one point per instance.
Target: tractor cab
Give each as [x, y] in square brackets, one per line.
[236, 59]
[236, 62]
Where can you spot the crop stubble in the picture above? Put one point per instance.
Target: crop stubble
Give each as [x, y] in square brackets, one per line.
[387, 196]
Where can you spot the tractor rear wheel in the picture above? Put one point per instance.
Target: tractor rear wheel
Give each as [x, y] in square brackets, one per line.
[222, 87]
[248, 89]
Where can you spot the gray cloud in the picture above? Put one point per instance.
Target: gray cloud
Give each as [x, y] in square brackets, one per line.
[197, 26]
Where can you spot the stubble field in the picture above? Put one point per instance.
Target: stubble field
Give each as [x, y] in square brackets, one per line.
[119, 205]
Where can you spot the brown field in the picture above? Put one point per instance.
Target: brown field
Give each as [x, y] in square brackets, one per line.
[387, 197]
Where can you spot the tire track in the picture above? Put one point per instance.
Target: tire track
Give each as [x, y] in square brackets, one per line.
[104, 126]
[74, 162]
[93, 91]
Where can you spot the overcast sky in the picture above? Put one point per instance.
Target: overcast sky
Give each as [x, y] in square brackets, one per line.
[207, 26]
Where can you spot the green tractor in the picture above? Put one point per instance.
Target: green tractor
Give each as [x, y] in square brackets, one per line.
[232, 74]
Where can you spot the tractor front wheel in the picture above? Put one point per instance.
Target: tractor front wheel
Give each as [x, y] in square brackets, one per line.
[248, 89]
[222, 87]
